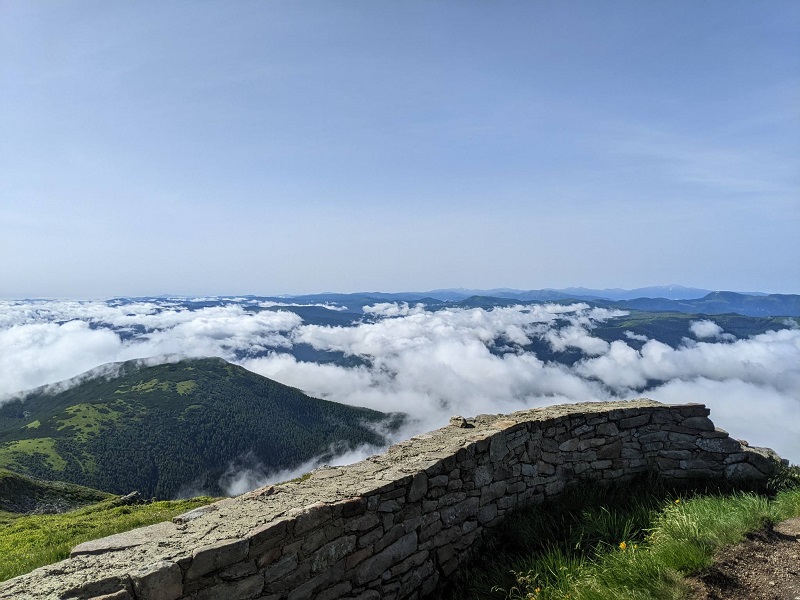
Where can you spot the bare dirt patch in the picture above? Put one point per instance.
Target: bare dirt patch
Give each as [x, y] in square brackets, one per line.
[766, 566]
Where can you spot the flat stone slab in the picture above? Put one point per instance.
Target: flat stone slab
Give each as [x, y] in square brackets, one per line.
[121, 541]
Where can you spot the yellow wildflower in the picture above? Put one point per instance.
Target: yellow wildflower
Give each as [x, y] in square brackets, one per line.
[623, 546]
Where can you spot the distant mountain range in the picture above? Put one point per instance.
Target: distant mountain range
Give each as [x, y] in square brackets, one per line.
[671, 298]
[172, 427]
[683, 300]
[671, 292]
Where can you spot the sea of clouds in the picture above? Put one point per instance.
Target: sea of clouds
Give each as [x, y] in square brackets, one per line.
[428, 364]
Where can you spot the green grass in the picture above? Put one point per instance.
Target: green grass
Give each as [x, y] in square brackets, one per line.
[87, 419]
[31, 541]
[610, 545]
[45, 447]
[185, 387]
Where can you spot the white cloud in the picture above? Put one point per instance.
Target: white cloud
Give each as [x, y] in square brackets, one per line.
[235, 481]
[271, 304]
[772, 359]
[46, 342]
[429, 364]
[393, 309]
[634, 336]
[708, 329]
[40, 353]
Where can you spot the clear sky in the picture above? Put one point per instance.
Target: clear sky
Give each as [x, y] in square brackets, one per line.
[291, 146]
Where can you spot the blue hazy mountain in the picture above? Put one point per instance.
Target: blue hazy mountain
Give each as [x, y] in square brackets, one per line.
[756, 304]
[671, 292]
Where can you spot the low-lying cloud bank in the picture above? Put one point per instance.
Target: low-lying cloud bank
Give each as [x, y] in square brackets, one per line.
[430, 364]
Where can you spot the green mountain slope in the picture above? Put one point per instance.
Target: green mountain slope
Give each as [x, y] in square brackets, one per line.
[22, 494]
[161, 429]
[717, 303]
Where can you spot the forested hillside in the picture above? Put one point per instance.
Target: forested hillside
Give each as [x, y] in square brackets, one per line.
[172, 427]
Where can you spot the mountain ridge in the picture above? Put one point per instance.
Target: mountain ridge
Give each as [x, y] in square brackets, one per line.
[162, 428]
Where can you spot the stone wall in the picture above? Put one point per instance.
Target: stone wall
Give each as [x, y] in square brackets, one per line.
[392, 526]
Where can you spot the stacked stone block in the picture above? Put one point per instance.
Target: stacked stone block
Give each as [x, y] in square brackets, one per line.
[392, 526]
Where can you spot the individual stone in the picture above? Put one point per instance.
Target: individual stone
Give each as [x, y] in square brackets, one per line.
[391, 536]
[239, 571]
[570, 445]
[483, 476]
[195, 514]
[636, 421]
[356, 558]
[127, 539]
[498, 448]
[307, 589]
[350, 507]
[363, 523]
[451, 498]
[374, 567]
[739, 473]
[493, 492]
[763, 459]
[607, 430]
[601, 464]
[245, 588]
[411, 562]
[312, 517]
[161, 580]
[216, 556]
[458, 421]
[458, 513]
[701, 423]
[268, 536]
[331, 553]
[447, 536]
[120, 595]
[724, 445]
[268, 557]
[609, 451]
[281, 568]
[389, 506]
[418, 487]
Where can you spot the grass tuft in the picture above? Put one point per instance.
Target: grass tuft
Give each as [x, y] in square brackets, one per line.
[637, 544]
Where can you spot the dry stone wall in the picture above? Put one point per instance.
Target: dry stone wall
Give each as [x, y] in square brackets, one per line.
[392, 526]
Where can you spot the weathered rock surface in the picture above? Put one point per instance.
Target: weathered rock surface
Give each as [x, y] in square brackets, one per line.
[392, 525]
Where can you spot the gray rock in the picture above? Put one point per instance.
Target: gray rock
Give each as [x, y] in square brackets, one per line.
[240, 590]
[158, 581]
[121, 541]
[374, 567]
[740, 473]
[216, 556]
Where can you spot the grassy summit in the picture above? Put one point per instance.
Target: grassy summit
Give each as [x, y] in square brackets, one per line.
[161, 429]
[21, 494]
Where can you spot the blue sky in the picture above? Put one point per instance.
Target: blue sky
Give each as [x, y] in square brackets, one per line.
[289, 147]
